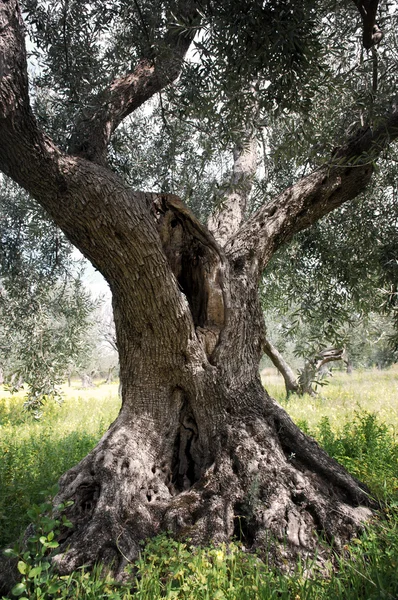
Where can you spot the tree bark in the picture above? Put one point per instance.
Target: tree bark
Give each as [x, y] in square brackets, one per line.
[228, 217]
[199, 448]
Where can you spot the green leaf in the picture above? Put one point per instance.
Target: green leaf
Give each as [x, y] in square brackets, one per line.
[35, 571]
[54, 587]
[22, 567]
[18, 589]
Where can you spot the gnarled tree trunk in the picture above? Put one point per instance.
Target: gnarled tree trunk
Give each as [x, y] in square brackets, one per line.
[199, 448]
[313, 371]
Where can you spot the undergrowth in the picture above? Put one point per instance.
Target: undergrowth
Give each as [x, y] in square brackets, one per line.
[35, 454]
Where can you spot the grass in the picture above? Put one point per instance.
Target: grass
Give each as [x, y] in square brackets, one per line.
[354, 418]
[373, 391]
[34, 454]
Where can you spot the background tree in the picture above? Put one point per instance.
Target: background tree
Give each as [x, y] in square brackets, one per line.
[336, 276]
[198, 448]
[45, 312]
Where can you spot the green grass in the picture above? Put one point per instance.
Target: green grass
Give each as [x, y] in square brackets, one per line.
[34, 454]
[354, 418]
[373, 391]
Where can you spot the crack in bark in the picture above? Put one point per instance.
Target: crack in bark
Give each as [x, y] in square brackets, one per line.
[187, 461]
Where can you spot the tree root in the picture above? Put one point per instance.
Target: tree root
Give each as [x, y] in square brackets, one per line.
[269, 485]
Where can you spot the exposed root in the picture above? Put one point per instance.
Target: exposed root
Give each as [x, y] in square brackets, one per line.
[257, 489]
[270, 501]
[119, 492]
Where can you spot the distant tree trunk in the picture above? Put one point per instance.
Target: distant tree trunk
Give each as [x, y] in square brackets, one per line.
[1, 376]
[291, 383]
[87, 381]
[314, 369]
[109, 376]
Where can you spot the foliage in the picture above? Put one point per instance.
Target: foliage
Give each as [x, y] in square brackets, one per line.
[334, 277]
[38, 580]
[366, 448]
[80, 46]
[34, 565]
[32, 247]
[43, 338]
[170, 569]
[295, 76]
[45, 312]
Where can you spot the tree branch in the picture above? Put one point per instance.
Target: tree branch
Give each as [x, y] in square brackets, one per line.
[228, 217]
[98, 213]
[19, 134]
[371, 34]
[124, 95]
[312, 197]
[283, 367]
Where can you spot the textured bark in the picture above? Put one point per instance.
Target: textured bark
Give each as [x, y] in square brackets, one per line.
[198, 448]
[229, 216]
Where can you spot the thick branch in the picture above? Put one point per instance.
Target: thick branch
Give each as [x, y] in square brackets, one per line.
[229, 216]
[283, 367]
[26, 154]
[312, 197]
[112, 226]
[329, 355]
[125, 94]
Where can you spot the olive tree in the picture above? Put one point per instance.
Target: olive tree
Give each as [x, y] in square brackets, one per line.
[199, 448]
